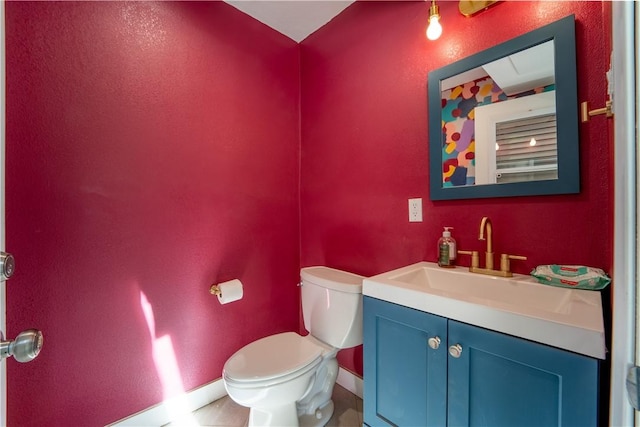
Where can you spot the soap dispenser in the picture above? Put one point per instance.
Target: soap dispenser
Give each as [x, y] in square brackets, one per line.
[446, 249]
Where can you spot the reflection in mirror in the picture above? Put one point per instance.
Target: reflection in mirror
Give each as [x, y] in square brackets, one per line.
[498, 121]
[507, 116]
[516, 140]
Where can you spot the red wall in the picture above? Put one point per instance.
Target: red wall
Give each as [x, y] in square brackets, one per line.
[365, 143]
[152, 148]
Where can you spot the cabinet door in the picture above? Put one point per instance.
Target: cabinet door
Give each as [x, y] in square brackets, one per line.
[499, 380]
[405, 379]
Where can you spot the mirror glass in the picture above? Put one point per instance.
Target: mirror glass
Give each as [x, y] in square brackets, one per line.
[504, 122]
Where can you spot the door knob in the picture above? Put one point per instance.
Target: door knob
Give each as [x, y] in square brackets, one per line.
[455, 350]
[434, 342]
[7, 265]
[24, 348]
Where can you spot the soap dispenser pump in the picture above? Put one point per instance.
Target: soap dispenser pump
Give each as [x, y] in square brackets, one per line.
[446, 249]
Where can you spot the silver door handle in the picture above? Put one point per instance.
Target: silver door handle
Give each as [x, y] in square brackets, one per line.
[7, 265]
[24, 348]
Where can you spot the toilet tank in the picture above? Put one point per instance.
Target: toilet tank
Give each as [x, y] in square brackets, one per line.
[332, 305]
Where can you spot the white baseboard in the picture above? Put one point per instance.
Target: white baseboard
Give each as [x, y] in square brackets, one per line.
[182, 406]
[176, 408]
[350, 381]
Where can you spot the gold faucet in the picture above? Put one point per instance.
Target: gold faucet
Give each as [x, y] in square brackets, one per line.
[486, 233]
[485, 224]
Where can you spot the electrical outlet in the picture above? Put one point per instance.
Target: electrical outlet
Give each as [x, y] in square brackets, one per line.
[415, 210]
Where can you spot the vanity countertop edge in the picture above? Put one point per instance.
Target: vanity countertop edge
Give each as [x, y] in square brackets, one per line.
[587, 338]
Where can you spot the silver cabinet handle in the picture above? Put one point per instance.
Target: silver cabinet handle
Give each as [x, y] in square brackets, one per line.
[434, 342]
[455, 350]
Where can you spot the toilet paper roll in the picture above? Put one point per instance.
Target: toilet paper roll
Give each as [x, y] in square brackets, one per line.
[230, 291]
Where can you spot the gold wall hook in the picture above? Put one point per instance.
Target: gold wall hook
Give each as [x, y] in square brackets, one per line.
[215, 290]
[586, 114]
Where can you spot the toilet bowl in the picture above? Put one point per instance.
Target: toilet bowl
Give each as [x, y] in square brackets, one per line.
[287, 379]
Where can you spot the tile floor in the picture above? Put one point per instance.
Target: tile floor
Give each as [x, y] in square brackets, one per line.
[225, 412]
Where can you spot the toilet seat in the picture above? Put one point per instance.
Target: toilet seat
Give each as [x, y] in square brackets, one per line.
[272, 360]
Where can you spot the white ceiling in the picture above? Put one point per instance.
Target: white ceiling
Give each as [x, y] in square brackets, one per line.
[525, 70]
[295, 19]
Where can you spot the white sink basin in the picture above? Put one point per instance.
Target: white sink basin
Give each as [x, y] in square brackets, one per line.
[519, 306]
[487, 289]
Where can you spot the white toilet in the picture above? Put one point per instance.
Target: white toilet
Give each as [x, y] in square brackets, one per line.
[287, 379]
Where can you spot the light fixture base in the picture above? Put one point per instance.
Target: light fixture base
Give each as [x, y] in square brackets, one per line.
[471, 7]
[434, 10]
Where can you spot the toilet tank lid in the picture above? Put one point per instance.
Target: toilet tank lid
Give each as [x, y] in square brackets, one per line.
[331, 278]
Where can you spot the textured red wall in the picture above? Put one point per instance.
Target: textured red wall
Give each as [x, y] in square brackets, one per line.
[365, 143]
[152, 149]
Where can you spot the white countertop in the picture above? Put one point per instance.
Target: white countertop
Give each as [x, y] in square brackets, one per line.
[570, 319]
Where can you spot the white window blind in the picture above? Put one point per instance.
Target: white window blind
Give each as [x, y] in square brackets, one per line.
[527, 149]
[510, 125]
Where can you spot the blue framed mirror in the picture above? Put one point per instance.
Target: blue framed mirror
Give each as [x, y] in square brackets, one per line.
[504, 122]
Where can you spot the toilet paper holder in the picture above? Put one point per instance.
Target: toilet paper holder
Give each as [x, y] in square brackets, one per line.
[228, 291]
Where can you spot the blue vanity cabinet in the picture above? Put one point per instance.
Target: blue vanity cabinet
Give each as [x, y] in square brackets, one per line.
[500, 380]
[405, 379]
[475, 377]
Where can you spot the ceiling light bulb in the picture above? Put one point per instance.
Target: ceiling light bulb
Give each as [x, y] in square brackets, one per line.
[533, 142]
[435, 29]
